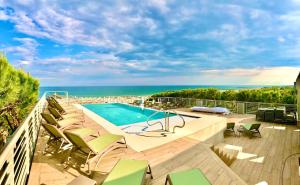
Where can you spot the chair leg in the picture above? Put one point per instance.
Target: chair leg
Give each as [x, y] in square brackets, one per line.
[167, 180]
[150, 172]
[100, 157]
[89, 172]
[47, 145]
[68, 158]
[251, 134]
[259, 133]
[87, 162]
[125, 142]
[60, 146]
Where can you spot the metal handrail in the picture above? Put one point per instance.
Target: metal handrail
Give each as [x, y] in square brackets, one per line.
[240, 107]
[169, 97]
[179, 115]
[55, 93]
[149, 117]
[167, 119]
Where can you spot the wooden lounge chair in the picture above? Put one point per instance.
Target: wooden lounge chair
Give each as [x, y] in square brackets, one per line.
[128, 172]
[95, 148]
[62, 124]
[250, 129]
[190, 177]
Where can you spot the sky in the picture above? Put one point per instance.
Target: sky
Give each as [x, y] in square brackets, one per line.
[153, 42]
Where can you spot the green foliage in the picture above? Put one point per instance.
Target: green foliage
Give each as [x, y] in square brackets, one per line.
[16, 88]
[286, 95]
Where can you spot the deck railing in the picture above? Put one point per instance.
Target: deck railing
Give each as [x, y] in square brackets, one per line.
[239, 107]
[17, 154]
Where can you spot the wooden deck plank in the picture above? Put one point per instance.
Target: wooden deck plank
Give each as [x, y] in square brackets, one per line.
[275, 145]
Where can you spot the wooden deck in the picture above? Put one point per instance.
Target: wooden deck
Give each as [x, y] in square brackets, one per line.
[186, 153]
[261, 159]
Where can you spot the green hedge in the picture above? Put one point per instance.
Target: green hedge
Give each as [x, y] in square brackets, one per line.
[18, 90]
[286, 95]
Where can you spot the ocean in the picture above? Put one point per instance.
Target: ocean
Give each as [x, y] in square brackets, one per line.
[98, 91]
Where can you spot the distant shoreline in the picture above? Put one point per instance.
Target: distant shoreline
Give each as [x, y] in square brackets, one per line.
[101, 91]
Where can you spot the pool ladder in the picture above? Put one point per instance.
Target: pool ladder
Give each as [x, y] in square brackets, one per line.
[165, 127]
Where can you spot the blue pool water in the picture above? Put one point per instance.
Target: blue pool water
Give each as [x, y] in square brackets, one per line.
[122, 114]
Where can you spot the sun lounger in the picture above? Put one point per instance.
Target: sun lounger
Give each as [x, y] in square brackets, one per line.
[128, 172]
[95, 148]
[62, 123]
[250, 129]
[230, 128]
[57, 136]
[218, 110]
[54, 104]
[190, 177]
[59, 116]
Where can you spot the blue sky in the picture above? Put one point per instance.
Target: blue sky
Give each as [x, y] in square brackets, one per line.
[153, 42]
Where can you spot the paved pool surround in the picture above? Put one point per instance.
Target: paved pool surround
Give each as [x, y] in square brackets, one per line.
[211, 128]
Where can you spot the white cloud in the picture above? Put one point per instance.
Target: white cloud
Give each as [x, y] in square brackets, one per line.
[289, 22]
[281, 39]
[25, 62]
[227, 33]
[263, 76]
[52, 21]
[296, 1]
[27, 51]
[56, 60]
[126, 46]
[161, 5]
[3, 16]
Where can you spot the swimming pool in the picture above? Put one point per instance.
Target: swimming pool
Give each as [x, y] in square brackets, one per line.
[123, 114]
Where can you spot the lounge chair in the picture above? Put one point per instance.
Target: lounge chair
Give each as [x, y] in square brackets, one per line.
[58, 137]
[62, 124]
[190, 177]
[94, 148]
[250, 129]
[59, 116]
[54, 104]
[230, 128]
[128, 172]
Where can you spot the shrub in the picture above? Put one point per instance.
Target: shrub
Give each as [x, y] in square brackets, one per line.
[286, 95]
[18, 95]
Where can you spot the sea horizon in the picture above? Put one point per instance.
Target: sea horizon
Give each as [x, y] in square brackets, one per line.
[136, 90]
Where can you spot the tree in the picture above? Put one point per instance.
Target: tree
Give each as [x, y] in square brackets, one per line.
[18, 95]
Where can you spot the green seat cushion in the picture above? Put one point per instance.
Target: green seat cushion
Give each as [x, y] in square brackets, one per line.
[190, 177]
[82, 132]
[127, 172]
[247, 126]
[101, 143]
[67, 122]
